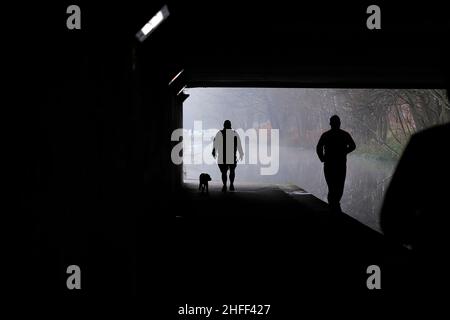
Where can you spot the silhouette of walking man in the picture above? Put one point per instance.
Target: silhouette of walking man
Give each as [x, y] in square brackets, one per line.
[226, 144]
[332, 149]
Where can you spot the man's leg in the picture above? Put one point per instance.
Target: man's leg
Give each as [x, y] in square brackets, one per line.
[223, 170]
[341, 172]
[224, 177]
[330, 178]
[232, 174]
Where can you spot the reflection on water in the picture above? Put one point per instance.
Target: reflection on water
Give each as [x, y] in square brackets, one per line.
[367, 179]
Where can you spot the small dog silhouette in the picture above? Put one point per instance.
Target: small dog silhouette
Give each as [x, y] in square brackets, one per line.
[203, 182]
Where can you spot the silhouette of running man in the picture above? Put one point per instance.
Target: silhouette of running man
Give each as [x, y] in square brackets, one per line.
[332, 149]
[226, 144]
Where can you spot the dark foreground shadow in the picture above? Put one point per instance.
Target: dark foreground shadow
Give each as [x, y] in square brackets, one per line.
[266, 242]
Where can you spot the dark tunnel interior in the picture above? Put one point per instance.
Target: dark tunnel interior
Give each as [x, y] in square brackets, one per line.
[96, 109]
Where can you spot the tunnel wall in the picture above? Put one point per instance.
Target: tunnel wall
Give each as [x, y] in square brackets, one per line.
[80, 139]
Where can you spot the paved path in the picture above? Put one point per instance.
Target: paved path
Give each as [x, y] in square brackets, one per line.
[262, 239]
